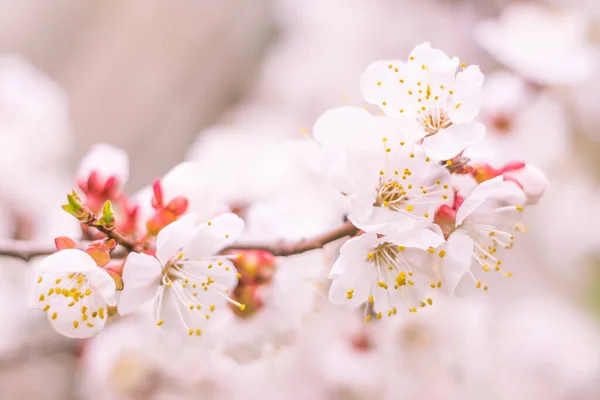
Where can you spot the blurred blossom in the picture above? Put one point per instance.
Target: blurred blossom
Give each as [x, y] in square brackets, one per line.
[547, 46]
[34, 118]
[522, 124]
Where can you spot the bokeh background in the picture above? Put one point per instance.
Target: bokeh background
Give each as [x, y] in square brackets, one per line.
[227, 84]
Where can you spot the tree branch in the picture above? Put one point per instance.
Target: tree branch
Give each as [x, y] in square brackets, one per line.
[26, 250]
[120, 238]
[288, 249]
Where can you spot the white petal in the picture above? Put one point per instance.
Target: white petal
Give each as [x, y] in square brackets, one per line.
[359, 278]
[418, 238]
[457, 261]
[449, 142]
[107, 161]
[62, 317]
[381, 85]
[141, 279]
[355, 249]
[101, 282]
[68, 261]
[467, 95]
[213, 236]
[508, 193]
[173, 237]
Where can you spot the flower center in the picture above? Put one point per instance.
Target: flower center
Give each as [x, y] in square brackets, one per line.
[433, 119]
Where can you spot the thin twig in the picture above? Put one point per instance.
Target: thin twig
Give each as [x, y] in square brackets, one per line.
[288, 249]
[26, 250]
[120, 238]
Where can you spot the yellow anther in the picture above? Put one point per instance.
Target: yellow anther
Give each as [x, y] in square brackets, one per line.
[90, 324]
[51, 292]
[457, 105]
[422, 304]
[519, 208]
[370, 255]
[411, 283]
[198, 307]
[159, 323]
[439, 284]
[94, 315]
[47, 307]
[445, 197]
[212, 307]
[371, 299]
[485, 287]
[191, 306]
[431, 250]
[410, 273]
[71, 304]
[207, 316]
[378, 316]
[55, 315]
[75, 324]
[412, 155]
[190, 332]
[401, 248]
[368, 318]
[414, 309]
[58, 280]
[209, 223]
[429, 301]
[442, 253]
[180, 256]
[382, 285]
[84, 309]
[242, 307]
[432, 286]
[42, 297]
[198, 332]
[426, 215]
[401, 111]
[88, 292]
[101, 312]
[478, 285]
[379, 83]
[40, 280]
[409, 207]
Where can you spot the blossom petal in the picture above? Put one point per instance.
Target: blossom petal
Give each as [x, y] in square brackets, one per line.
[449, 142]
[213, 236]
[418, 238]
[68, 261]
[467, 95]
[457, 260]
[354, 249]
[141, 278]
[173, 237]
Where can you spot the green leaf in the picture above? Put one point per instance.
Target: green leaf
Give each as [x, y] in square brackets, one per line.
[108, 216]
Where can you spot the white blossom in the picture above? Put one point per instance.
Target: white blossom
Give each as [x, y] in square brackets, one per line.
[483, 225]
[391, 185]
[74, 292]
[188, 281]
[428, 89]
[385, 271]
[545, 45]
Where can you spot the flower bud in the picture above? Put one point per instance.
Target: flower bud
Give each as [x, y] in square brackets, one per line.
[530, 178]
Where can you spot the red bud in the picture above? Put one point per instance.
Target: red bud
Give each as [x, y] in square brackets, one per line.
[178, 205]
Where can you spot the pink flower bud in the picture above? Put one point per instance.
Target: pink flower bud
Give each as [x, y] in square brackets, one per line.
[445, 218]
[178, 205]
[64, 242]
[530, 178]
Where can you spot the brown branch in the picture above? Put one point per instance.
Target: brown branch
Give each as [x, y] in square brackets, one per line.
[288, 249]
[26, 250]
[118, 237]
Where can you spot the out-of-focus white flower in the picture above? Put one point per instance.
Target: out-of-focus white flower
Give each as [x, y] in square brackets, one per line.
[530, 178]
[521, 124]
[34, 118]
[384, 271]
[391, 185]
[186, 279]
[427, 89]
[547, 46]
[106, 162]
[483, 224]
[74, 292]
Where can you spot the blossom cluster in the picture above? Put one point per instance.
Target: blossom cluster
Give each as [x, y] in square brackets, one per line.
[423, 217]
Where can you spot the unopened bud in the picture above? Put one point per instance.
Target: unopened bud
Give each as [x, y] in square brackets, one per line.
[178, 205]
[530, 178]
[445, 218]
[484, 172]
